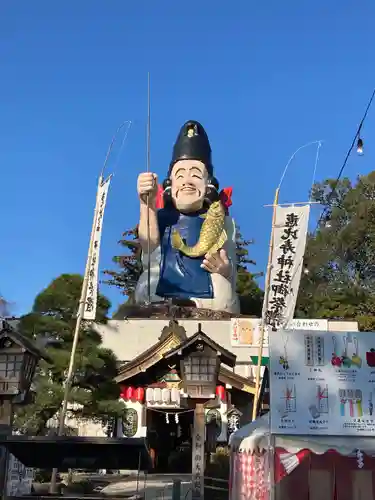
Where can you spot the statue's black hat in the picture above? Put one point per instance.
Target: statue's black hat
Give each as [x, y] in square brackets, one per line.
[192, 144]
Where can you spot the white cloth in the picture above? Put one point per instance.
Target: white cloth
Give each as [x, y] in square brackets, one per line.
[255, 437]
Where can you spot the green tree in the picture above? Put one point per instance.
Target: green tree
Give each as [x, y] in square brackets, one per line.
[129, 263]
[340, 255]
[93, 389]
[250, 295]
[125, 279]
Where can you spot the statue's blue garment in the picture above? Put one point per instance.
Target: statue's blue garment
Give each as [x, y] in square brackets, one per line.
[181, 276]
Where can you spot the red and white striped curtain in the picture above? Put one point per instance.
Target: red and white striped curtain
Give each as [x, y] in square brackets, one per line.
[302, 475]
[249, 478]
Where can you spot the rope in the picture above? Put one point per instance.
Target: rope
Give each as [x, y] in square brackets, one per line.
[170, 410]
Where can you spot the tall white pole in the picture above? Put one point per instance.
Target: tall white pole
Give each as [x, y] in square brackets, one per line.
[84, 290]
[263, 325]
[80, 313]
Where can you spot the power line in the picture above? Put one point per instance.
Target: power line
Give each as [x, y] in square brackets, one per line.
[357, 134]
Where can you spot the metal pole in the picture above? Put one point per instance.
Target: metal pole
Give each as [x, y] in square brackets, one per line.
[139, 471]
[81, 309]
[176, 489]
[266, 295]
[271, 465]
[148, 197]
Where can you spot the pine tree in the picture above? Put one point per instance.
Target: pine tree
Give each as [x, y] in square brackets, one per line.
[250, 295]
[340, 255]
[93, 389]
[129, 263]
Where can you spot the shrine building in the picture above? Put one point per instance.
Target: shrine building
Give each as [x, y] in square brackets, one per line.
[153, 388]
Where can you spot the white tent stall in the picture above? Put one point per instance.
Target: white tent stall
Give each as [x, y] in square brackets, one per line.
[303, 467]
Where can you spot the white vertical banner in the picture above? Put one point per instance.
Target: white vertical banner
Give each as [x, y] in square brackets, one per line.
[289, 242]
[92, 267]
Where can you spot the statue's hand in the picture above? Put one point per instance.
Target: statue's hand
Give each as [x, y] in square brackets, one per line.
[218, 263]
[147, 185]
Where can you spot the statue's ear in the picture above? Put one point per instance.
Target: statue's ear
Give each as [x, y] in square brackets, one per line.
[212, 190]
[167, 191]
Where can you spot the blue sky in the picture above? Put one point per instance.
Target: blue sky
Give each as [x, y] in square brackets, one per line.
[263, 78]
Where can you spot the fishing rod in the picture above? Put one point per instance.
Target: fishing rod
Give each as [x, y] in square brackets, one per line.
[148, 162]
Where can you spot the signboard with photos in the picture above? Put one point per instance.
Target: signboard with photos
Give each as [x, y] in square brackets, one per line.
[322, 383]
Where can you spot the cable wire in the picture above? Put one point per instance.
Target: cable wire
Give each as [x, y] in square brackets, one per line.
[323, 214]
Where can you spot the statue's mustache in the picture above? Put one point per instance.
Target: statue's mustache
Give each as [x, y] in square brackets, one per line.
[188, 188]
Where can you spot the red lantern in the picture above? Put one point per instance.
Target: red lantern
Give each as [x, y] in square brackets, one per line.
[122, 392]
[130, 393]
[139, 394]
[220, 392]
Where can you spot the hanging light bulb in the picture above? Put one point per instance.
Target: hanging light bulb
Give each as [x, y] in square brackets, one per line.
[167, 418]
[176, 418]
[360, 146]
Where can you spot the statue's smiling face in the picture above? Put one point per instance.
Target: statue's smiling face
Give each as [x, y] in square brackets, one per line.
[189, 183]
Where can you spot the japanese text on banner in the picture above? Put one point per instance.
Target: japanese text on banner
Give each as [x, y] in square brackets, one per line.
[289, 241]
[198, 454]
[92, 269]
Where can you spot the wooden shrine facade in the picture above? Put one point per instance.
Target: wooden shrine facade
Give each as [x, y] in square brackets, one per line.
[152, 384]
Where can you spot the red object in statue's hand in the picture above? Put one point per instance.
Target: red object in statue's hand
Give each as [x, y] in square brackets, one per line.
[159, 198]
[225, 196]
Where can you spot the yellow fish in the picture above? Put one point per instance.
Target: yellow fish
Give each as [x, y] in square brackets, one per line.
[212, 236]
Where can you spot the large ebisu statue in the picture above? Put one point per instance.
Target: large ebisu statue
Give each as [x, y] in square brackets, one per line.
[192, 238]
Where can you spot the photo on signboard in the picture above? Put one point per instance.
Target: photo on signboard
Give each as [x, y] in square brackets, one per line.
[322, 383]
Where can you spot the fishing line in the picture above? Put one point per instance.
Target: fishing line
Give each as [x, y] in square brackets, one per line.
[292, 157]
[122, 146]
[110, 148]
[315, 167]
